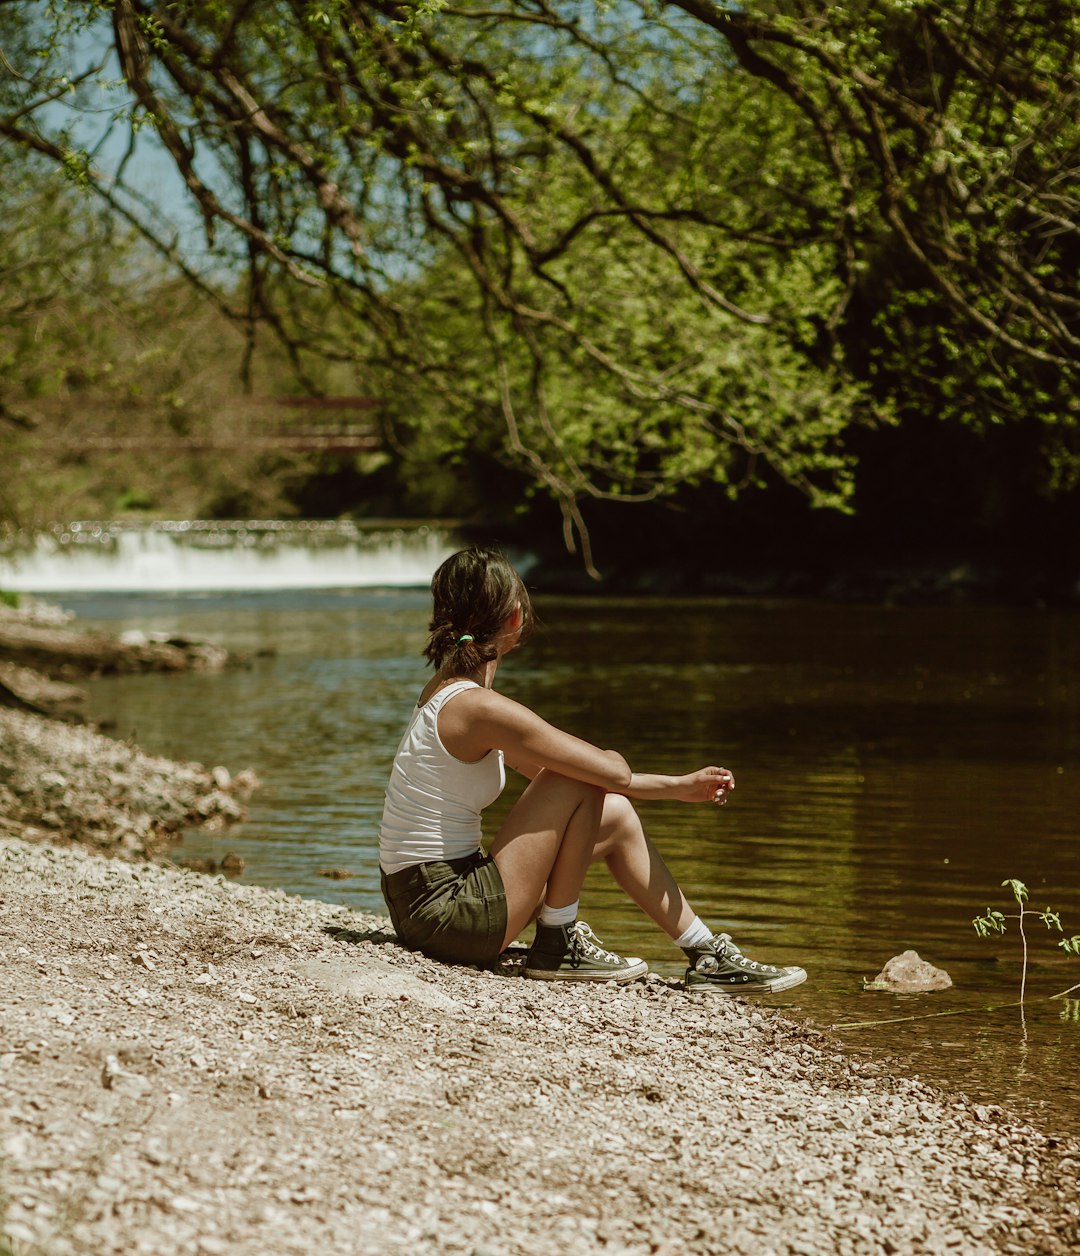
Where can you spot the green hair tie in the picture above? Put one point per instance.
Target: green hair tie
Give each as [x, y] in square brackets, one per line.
[465, 636]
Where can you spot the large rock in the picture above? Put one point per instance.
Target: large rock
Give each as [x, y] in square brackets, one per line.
[906, 973]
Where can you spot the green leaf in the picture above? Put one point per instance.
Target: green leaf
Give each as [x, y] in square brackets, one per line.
[1019, 889]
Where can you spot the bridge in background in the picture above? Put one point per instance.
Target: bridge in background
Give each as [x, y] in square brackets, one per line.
[295, 424]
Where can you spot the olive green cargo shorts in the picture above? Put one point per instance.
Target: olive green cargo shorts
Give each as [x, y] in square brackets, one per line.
[453, 910]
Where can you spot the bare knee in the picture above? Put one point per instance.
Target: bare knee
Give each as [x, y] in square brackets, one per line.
[620, 824]
[620, 817]
[580, 793]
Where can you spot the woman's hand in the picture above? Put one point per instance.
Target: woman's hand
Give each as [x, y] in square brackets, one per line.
[706, 785]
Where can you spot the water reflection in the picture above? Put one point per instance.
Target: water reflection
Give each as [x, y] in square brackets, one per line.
[893, 765]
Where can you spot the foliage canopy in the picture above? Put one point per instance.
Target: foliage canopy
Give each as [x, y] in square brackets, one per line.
[631, 247]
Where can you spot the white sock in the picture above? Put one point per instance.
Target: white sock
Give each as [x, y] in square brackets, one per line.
[694, 936]
[558, 916]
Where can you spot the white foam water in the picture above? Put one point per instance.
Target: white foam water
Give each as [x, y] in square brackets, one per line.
[215, 555]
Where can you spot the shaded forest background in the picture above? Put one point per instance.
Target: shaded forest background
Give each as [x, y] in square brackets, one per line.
[783, 297]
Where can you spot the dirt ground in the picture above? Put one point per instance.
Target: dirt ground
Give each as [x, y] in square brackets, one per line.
[189, 1065]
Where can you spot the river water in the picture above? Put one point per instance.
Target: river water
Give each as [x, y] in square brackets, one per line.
[893, 765]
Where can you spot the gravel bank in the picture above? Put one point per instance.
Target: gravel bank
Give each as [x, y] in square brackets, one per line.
[189, 1065]
[66, 782]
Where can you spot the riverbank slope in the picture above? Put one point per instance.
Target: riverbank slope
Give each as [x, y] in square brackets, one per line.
[61, 779]
[196, 1066]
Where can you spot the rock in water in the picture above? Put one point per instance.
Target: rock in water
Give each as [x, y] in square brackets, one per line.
[908, 974]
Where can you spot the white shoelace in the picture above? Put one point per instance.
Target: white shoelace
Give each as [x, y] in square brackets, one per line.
[731, 951]
[584, 942]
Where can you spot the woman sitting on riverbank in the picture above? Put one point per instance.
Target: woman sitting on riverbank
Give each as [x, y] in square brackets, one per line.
[447, 898]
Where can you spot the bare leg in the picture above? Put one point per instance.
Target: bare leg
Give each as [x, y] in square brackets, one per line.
[639, 868]
[547, 840]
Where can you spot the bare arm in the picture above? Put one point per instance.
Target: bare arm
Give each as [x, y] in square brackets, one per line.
[480, 720]
[710, 784]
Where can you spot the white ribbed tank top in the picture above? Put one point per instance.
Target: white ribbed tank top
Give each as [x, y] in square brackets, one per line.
[433, 801]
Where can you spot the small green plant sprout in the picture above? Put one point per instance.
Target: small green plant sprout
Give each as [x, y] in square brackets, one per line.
[994, 922]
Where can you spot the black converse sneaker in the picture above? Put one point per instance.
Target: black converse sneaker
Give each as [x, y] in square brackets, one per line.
[573, 953]
[718, 965]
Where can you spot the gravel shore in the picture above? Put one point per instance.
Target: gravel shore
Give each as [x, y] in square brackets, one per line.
[63, 781]
[189, 1065]
[68, 783]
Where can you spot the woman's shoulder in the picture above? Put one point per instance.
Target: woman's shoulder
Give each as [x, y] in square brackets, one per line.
[494, 707]
[466, 699]
[437, 692]
[467, 695]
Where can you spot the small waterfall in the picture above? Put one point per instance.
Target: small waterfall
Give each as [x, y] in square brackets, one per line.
[214, 555]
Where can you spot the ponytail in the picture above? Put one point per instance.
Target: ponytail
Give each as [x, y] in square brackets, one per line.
[474, 593]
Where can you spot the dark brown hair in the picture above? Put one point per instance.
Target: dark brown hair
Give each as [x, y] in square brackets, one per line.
[474, 593]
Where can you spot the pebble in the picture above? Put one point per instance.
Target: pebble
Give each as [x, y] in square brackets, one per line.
[115, 1077]
[265, 1112]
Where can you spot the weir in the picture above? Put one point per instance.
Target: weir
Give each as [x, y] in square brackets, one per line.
[214, 555]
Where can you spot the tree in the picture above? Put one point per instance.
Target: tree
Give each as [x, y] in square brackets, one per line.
[952, 134]
[636, 247]
[104, 403]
